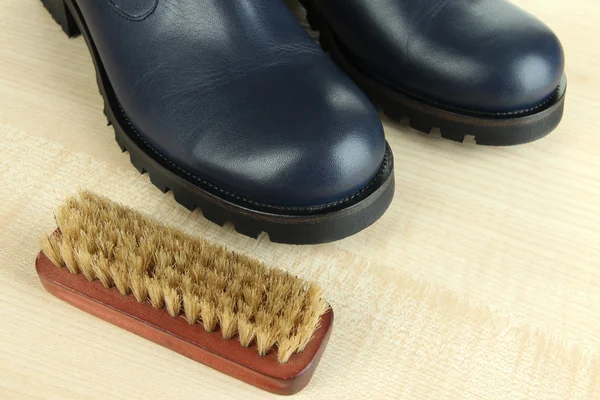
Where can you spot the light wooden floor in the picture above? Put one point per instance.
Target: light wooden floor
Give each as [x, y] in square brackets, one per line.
[481, 282]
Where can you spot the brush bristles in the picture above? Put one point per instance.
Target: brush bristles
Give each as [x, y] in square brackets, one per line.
[139, 286]
[191, 307]
[186, 276]
[172, 300]
[155, 291]
[84, 262]
[51, 248]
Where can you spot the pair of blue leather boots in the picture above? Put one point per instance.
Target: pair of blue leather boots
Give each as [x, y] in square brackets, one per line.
[233, 107]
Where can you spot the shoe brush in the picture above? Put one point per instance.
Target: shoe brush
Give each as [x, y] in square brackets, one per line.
[225, 310]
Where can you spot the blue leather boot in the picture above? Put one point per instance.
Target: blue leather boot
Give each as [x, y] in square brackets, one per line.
[484, 68]
[231, 105]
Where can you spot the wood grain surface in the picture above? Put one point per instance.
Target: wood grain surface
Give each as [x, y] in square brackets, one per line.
[481, 282]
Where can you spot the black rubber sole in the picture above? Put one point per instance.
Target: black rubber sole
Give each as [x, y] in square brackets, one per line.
[492, 130]
[291, 225]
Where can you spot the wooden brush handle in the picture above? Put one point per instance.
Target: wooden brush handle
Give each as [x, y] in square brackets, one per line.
[227, 356]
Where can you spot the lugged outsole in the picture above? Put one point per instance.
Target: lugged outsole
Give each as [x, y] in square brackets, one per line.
[310, 225]
[313, 229]
[424, 117]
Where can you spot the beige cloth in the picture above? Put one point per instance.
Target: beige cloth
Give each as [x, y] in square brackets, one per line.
[481, 282]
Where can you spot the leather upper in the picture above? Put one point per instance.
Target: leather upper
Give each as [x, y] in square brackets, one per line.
[237, 94]
[476, 55]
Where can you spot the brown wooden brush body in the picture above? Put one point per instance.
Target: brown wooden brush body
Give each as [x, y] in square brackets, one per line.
[227, 356]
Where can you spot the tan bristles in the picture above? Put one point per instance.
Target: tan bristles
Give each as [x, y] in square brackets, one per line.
[227, 318]
[102, 270]
[246, 329]
[288, 346]
[208, 313]
[139, 287]
[51, 248]
[266, 337]
[120, 277]
[68, 257]
[188, 277]
[172, 300]
[155, 291]
[84, 261]
[191, 307]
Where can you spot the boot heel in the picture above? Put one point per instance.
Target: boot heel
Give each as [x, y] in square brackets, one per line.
[62, 15]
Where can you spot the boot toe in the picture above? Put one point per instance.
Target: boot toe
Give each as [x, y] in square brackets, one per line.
[518, 75]
[509, 62]
[312, 139]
